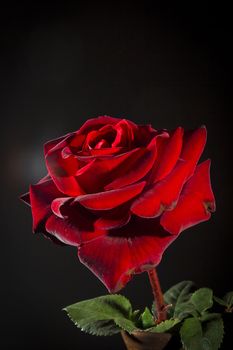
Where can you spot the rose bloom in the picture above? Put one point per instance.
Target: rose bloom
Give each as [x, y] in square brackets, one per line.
[121, 193]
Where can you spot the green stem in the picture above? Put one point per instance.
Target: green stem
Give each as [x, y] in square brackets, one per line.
[158, 296]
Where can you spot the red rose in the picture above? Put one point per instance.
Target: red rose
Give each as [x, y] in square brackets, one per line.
[121, 193]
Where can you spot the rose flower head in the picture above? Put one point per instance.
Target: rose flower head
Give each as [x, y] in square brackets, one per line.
[121, 193]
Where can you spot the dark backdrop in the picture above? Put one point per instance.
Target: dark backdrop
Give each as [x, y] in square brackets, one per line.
[61, 65]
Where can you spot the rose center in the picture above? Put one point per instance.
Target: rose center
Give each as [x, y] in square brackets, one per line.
[101, 139]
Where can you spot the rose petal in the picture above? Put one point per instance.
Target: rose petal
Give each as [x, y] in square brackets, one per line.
[125, 133]
[26, 198]
[92, 154]
[143, 135]
[57, 204]
[107, 151]
[62, 169]
[195, 203]
[110, 219]
[103, 170]
[96, 123]
[52, 238]
[162, 195]
[75, 228]
[105, 135]
[110, 199]
[136, 247]
[52, 143]
[45, 178]
[41, 196]
[168, 156]
[193, 145]
[136, 168]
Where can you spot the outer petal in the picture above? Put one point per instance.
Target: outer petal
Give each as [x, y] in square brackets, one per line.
[168, 156]
[162, 195]
[193, 145]
[62, 169]
[45, 178]
[25, 198]
[110, 199]
[131, 249]
[41, 196]
[52, 143]
[75, 228]
[110, 222]
[114, 218]
[57, 205]
[195, 203]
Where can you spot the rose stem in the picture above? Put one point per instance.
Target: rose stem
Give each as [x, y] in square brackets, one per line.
[158, 296]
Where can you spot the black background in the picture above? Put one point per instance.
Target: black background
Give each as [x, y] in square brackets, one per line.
[60, 65]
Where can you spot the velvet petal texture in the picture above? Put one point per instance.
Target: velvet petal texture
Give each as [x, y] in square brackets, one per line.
[117, 217]
[41, 196]
[51, 144]
[168, 156]
[125, 133]
[62, 169]
[114, 257]
[104, 170]
[96, 123]
[110, 199]
[58, 203]
[193, 145]
[135, 169]
[76, 227]
[195, 204]
[164, 194]
[71, 232]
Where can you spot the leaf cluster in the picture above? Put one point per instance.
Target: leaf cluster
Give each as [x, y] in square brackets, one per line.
[190, 313]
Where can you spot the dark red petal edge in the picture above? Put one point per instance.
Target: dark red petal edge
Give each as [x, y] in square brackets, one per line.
[195, 203]
[41, 196]
[164, 194]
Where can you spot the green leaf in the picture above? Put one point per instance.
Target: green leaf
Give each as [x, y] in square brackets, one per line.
[178, 294]
[100, 328]
[135, 317]
[147, 319]
[125, 324]
[191, 334]
[213, 332]
[227, 301]
[206, 336]
[105, 315]
[207, 316]
[202, 299]
[165, 325]
[228, 298]
[220, 301]
[184, 310]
